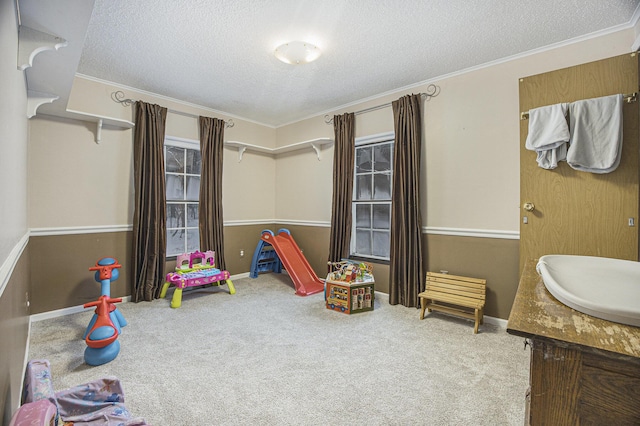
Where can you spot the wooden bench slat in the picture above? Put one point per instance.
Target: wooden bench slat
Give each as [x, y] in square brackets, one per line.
[456, 277]
[453, 311]
[459, 300]
[472, 292]
[473, 299]
[461, 284]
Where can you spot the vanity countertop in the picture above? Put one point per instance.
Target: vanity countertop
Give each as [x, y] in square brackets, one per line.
[536, 313]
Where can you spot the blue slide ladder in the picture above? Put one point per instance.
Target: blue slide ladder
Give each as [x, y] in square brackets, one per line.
[265, 259]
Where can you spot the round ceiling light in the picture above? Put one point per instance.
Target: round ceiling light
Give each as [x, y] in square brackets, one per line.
[297, 52]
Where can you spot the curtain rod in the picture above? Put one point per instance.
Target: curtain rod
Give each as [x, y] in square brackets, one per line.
[432, 91]
[118, 96]
[633, 97]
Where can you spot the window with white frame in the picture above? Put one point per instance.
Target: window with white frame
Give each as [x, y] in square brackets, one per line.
[183, 166]
[371, 206]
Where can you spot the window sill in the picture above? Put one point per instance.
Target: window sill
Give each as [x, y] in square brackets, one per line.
[369, 260]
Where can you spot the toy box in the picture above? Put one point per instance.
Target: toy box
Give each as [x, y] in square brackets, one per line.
[349, 298]
[350, 287]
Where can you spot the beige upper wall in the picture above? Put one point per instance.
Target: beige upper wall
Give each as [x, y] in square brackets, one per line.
[470, 141]
[97, 190]
[470, 150]
[13, 137]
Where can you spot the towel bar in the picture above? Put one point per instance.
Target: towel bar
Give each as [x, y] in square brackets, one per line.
[630, 98]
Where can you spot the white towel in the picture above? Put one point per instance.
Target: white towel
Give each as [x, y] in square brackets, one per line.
[596, 134]
[548, 134]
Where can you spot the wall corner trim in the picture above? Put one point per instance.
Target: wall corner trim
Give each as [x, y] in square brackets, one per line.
[70, 230]
[434, 230]
[6, 270]
[477, 233]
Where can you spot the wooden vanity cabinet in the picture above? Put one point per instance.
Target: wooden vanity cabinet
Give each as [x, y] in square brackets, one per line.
[584, 370]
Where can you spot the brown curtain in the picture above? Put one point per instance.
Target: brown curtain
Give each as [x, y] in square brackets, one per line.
[406, 269]
[343, 152]
[210, 211]
[150, 215]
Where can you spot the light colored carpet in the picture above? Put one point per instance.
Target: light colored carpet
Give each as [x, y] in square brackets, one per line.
[265, 356]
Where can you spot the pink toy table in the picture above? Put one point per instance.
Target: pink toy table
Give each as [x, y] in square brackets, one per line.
[193, 276]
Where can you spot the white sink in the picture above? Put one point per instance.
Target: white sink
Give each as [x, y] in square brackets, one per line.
[598, 286]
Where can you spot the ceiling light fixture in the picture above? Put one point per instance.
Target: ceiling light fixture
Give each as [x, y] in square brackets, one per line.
[297, 52]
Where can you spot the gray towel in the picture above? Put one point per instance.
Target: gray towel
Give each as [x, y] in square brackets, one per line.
[548, 134]
[596, 134]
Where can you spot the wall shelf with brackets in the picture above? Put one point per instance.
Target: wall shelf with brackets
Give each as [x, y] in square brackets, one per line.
[315, 144]
[100, 121]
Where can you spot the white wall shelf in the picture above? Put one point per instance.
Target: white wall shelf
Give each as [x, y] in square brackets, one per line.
[100, 121]
[315, 144]
[31, 42]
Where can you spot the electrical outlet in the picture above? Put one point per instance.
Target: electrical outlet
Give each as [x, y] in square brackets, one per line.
[241, 253]
[26, 297]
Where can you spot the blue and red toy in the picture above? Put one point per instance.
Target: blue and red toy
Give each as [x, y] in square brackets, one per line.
[107, 321]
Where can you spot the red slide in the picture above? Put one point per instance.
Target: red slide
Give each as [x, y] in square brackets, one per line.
[304, 279]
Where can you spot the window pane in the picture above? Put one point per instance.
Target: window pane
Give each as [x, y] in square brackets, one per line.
[193, 187]
[381, 216]
[175, 187]
[175, 242]
[175, 215]
[194, 162]
[174, 159]
[363, 242]
[382, 186]
[363, 187]
[363, 160]
[381, 243]
[363, 215]
[382, 157]
[193, 240]
[192, 215]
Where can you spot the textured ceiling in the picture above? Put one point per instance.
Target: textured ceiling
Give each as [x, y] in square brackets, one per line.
[219, 54]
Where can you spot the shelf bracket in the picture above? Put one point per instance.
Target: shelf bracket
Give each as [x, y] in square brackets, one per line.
[316, 148]
[35, 99]
[241, 150]
[98, 131]
[31, 42]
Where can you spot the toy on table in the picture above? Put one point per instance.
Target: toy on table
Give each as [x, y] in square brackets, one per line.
[350, 271]
[350, 287]
[194, 270]
[107, 321]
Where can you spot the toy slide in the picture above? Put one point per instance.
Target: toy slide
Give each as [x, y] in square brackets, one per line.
[304, 279]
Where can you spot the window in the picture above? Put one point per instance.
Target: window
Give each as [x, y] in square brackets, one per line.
[183, 166]
[371, 233]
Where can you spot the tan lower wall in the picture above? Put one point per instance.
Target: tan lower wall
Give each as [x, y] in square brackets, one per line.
[14, 331]
[61, 277]
[494, 259]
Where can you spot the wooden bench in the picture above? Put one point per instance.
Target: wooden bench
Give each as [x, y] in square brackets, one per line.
[452, 294]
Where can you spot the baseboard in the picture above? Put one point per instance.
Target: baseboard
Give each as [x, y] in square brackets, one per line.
[75, 309]
[499, 322]
[65, 311]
